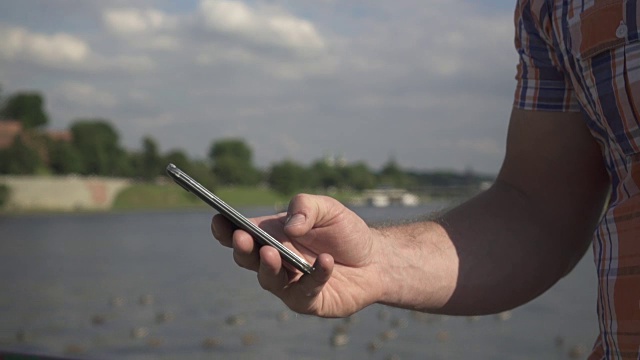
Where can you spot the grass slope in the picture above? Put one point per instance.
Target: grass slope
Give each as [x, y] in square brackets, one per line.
[170, 196]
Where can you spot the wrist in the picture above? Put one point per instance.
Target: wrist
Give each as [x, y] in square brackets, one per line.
[385, 281]
[381, 280]
[417, 266]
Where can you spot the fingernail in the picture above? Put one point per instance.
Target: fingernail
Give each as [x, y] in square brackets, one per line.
[296, 219]
[214, 232]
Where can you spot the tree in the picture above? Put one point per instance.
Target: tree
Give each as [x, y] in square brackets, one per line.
[358, 176]
[19, 159]
[324, 175]
[234, 148]
[150, 160]
[200, 171]
[232, 163]
[392, 175]
[5, 191]
[64, 158]
[288, 177]
[27, 107]
[231, 172]
[98, 143]
[179, 159]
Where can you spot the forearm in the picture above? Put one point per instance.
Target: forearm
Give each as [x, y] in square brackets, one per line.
[492, 253]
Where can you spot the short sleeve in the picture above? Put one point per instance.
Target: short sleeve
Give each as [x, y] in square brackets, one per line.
[541, 80]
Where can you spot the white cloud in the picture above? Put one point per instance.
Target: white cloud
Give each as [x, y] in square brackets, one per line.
[127, 21]
[59, 49]
[143, 28]
[127, 63]
[162, 42]
[294, 32]
[261, 25]
[64, 51]
[85, 95]
[236, 55]
[474, 43]
[435, 39]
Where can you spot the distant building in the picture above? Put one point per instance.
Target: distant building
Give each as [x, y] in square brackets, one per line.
[385, 197]
[60, 135]
[9, 129]
[335, 161]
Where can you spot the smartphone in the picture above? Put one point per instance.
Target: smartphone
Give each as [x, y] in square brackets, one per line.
[260, 236]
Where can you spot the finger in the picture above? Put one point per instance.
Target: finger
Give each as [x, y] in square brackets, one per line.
[310, 285]
[272, 276]
[306, 211]
[303, 295]
[245, 250]
[222, 229]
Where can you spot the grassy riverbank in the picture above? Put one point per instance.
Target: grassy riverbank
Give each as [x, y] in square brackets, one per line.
[170, 196]
[77, 195]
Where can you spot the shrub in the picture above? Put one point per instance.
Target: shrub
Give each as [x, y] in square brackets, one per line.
[4, 195]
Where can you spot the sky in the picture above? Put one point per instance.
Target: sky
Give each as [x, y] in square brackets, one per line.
[428, 83]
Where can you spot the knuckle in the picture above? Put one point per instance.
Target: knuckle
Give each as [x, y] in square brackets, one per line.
[243, 261]
[263, 285]
[299, 199]
[214, 232]
[237, 259]
[264, 282]
[224, 242]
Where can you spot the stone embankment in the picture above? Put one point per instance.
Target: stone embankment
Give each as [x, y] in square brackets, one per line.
[62, 193]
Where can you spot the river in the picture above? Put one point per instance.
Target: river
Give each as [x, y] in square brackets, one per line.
[154, 285]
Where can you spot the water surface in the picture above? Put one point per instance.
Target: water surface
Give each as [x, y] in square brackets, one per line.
[156, 285]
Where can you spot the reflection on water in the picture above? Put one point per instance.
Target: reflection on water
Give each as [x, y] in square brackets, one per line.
[156, 285]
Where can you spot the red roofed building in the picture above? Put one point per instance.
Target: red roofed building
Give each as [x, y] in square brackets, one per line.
[9, 129]
[60, 135]
[36, 140]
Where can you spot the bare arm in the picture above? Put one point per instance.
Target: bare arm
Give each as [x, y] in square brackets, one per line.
[512, 242]
[494, 252]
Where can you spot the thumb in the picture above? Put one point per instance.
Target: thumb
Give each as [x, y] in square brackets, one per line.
[308, 211]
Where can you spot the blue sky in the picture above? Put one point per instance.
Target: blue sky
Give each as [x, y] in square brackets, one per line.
[428, 82]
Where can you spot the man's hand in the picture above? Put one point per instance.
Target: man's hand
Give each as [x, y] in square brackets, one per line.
[325, 233]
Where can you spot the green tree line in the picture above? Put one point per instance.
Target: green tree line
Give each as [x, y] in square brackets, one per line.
[94, 149]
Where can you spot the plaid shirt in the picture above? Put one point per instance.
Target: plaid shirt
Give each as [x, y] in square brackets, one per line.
[584, 55]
